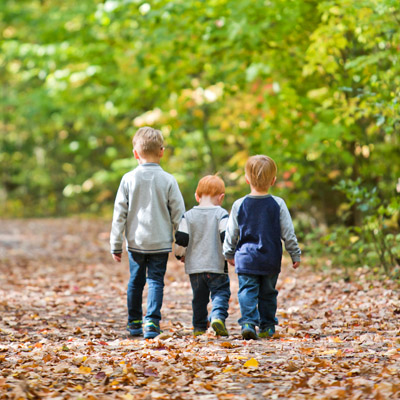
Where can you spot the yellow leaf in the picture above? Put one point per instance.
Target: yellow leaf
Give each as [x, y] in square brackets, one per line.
[327, 352]
[78, 387]
[227, 369]
[240, 358]
[291, 331]
[251, 363]
[85, 370]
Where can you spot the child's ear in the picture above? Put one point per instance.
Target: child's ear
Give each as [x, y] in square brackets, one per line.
[273, 181]
[221, 198]
[162, 151]
[196, 196]
[136, 154]
[247, 179]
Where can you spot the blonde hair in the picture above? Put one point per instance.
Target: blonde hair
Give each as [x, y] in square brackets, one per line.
[210, 185]
[260, 171]
[148, 141]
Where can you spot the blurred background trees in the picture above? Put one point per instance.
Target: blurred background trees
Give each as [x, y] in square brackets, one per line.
[313, 84]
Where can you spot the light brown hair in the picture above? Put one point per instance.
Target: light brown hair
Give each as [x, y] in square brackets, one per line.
[210, 185]
[148, 141]
[260, 171]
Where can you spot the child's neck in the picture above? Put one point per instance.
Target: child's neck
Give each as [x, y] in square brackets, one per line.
[257, 192]
[208, 201]
[149, 159]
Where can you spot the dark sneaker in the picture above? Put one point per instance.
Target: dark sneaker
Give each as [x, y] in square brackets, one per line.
[135, 328]
[266, 332]
[219, 327]
[198, 331]
[249, 332]
[151, 330]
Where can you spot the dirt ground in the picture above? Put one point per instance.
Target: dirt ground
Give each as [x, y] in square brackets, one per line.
[63, 336]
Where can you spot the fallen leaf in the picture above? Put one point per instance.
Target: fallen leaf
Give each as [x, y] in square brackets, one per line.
[252, 362]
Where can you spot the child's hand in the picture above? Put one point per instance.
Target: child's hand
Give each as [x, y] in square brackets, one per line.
[231, 262]
[117, 257]
[296, 264]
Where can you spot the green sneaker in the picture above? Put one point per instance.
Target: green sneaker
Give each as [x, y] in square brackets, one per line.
[219, 327]
[198, 331]
[249, 332]
[151, 330]
[135, 328]
[266, 332]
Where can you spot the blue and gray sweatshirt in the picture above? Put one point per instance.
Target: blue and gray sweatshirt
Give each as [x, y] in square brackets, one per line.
[256, 226]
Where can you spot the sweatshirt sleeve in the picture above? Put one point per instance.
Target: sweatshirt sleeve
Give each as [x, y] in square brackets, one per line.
[223, 222]
[231, 234]
[176, 204]
[182, 234]
[119, 219]
[287, 232]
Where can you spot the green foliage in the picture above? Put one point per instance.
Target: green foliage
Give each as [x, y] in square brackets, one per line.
[375, 242]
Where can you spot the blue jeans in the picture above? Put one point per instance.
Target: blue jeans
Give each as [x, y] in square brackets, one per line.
[258, 300]
[202, 285]
[154, 266]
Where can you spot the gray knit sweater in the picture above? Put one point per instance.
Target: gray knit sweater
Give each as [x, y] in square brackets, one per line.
[201, 231]
[148, 206]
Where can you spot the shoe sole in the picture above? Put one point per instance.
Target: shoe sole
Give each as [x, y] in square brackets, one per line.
[135, 332]
[219, 328]
[247, 334]
[265, 335]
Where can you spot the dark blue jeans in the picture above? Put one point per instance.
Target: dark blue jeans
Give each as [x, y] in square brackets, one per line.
[150, 268]
[203, 285]
[258, 300]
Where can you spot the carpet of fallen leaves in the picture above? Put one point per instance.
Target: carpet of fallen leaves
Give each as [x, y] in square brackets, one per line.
[63, 318]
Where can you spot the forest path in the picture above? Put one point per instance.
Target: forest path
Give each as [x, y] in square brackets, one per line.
[63, 319]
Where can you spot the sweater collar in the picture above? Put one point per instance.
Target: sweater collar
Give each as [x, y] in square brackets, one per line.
[259, 197]
[150, 164]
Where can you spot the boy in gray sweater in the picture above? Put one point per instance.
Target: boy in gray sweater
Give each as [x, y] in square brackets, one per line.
[148, 206]
[202, 232]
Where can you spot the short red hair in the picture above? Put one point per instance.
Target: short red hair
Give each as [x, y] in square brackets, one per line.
[210, 185]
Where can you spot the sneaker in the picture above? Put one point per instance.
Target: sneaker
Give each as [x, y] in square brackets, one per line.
[249, 332]
[266, 332]
[135, 328]
[198, 331]
[151, 330]
[219, 327]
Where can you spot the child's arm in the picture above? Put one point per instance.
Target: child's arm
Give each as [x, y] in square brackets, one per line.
[288, 234]
[119, 221]
[181, 240]
[176, 205]
[231, 236]
[222, 226]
